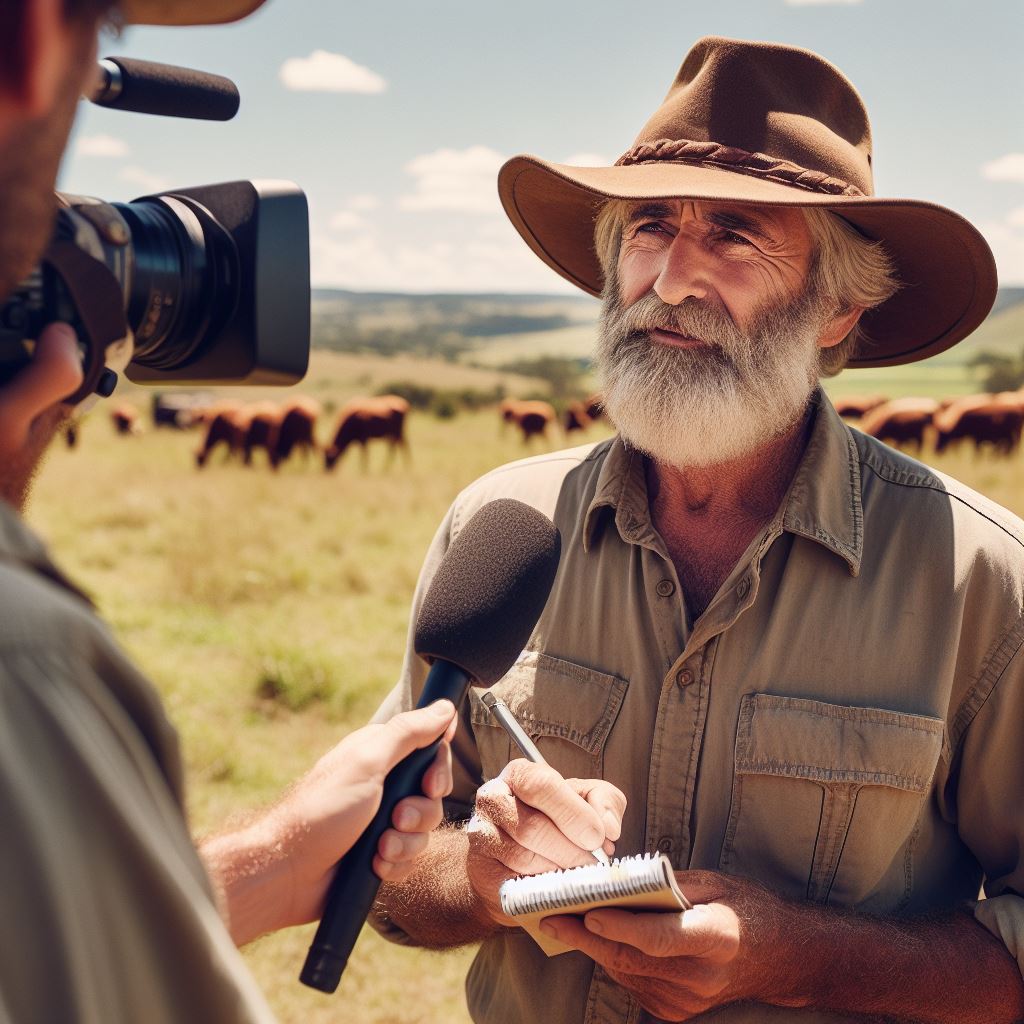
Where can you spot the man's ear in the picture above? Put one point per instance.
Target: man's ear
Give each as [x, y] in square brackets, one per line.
[35, 56]
[833, 332]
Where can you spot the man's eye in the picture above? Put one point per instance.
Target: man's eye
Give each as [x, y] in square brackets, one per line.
[652, 228]
[734, 239]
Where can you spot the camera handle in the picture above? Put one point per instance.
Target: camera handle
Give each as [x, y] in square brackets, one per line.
[100, 304]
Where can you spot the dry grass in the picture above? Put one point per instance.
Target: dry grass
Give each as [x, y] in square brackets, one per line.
[271, 611]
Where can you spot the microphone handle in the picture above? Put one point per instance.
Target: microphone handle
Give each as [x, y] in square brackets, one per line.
[355, 884]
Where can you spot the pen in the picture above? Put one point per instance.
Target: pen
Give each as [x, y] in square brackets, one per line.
[528, 748]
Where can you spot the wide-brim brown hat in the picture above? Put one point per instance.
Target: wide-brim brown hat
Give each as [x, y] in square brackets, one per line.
[772, 125]
[185, 12]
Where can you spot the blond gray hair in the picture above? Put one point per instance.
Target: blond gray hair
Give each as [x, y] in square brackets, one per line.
[848, 270]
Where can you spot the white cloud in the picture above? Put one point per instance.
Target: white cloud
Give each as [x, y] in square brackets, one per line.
[346, 220]
[455, 179]
[362, 202]
[480, 260]
[1007, 168]
[329, 72]
[1007, 241]
[101, 145]
[588, 160]
[135, 175]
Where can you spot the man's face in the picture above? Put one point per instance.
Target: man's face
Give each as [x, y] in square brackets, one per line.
[709, 337]
[31, 145]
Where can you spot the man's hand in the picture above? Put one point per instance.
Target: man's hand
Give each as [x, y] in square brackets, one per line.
[680, 965]
[274, 872]
[529, 819]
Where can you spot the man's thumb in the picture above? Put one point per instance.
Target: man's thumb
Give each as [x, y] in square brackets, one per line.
[414, 729]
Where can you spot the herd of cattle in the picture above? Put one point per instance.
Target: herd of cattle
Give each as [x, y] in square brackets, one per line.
[281, 429]
[994, 420]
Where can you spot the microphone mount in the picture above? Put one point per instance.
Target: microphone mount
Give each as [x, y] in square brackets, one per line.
[146, 87]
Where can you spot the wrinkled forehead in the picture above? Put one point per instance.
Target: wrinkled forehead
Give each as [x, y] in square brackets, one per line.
[776, 223]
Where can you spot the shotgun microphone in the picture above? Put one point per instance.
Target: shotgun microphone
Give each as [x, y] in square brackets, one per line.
[147, 87]
[476, 618]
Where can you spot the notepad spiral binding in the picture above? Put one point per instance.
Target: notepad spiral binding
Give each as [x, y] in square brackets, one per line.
[628, 876]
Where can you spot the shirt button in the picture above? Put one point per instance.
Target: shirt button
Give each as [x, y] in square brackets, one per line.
[743, 588]
[664, 845]
[684, 677]
[665, 588]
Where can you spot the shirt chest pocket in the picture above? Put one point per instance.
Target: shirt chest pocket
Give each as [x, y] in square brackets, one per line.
[567, 709]
[826, 798]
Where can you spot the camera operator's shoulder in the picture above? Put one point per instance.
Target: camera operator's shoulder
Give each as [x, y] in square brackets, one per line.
[554, 481]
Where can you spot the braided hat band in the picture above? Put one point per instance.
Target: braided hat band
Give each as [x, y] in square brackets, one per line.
[760, 165]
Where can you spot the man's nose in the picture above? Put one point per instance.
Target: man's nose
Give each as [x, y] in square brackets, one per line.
[684, 273]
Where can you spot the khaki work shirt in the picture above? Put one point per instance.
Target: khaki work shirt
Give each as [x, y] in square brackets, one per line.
[108, 916]
[844, 723]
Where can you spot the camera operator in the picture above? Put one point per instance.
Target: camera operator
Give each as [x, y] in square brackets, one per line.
[109, 914]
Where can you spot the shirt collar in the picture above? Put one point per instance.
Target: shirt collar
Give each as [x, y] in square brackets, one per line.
[20, 546]
[823, 503]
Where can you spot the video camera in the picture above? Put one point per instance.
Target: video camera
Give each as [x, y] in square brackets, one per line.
[203, 285]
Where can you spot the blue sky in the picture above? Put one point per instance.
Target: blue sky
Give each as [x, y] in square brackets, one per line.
[400, 174]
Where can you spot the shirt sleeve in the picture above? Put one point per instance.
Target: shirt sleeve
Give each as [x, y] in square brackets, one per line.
[990, 805]
[108, 915]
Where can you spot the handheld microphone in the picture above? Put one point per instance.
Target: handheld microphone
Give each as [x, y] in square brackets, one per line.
[476, 618]
[150, 88]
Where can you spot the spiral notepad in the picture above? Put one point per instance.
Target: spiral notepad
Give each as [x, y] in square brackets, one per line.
[644, 882]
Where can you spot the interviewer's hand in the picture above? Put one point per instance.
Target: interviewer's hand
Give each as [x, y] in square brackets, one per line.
[54, 373]
[275, 872]
[529, 819]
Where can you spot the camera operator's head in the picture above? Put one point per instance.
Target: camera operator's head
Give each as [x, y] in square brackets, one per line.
[47, 59]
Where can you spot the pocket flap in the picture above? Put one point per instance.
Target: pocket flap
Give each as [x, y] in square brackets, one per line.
[808, 739]
[552, 697]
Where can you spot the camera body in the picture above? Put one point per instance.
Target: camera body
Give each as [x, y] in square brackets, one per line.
[211, 285]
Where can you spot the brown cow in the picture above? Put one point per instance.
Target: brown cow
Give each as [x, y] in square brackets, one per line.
[995, 422]
[854, 407]
[228, 425]
[126, 420]
[297, 428]
[262, 425]
[363, 419]
[903, 421]
[532, 417]
[575, 418]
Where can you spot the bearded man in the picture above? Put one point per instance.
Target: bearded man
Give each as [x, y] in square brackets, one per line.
[778, 652]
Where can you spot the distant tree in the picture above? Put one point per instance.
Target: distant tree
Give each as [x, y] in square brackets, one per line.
[1000, 372]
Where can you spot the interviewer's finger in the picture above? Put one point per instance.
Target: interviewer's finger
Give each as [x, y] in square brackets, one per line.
[54, 373]
[400, 847]
[541, 787]
[411, 730]
[437, 780]
[417, 814]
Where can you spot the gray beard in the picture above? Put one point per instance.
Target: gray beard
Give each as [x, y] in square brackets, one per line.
[711, 404]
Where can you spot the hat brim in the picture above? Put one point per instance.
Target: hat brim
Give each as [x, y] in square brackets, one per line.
[945, 267]
[185, 12]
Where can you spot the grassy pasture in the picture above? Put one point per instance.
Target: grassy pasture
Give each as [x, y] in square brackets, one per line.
[271, 612]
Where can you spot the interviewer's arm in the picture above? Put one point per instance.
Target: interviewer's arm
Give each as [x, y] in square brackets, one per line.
[274, 871]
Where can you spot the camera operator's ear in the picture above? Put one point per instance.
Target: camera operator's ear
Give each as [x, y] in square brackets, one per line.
[36, 45]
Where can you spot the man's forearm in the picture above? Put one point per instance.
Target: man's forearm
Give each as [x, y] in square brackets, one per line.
[436, 906]
[934, 971]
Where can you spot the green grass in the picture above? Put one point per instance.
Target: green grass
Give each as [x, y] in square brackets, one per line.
[271, 613]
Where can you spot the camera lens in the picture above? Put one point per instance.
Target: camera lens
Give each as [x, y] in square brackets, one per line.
[182, 278]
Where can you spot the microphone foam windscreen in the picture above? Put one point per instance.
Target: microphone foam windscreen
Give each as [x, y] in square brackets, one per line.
[489, 590]
[151, 88]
